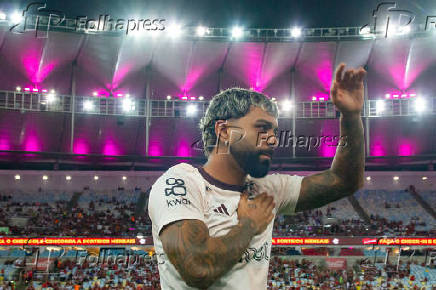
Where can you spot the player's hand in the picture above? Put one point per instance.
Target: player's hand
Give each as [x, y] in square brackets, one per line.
[257, 211]
[347, 90]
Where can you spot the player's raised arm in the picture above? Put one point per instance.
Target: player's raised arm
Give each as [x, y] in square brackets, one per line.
[201, 259]
[345, 175]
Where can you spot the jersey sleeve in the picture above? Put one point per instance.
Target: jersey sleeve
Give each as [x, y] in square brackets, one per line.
[174, 196]
[287, 191]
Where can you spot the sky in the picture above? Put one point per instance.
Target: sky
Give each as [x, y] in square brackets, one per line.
[251, 14]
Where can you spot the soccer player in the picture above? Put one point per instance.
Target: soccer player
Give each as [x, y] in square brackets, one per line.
[212, 225]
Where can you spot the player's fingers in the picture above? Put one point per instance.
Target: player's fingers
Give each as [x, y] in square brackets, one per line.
[243, 198]
[339, 72]
[348, 76]
[361, 74]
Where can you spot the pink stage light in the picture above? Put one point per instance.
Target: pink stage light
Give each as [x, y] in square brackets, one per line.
[396, 96]
[183, 149]
[155, 149]
[388, 96]
[406, 149]
[110, 148]
[4, 144]
[27, 89]
[412, 95]
[81, 147]
[35, 89]
[32, 144]
[192, 98]
[119, 95]
[377, 149]
[404, 96]
[184, 98]
[44, 91]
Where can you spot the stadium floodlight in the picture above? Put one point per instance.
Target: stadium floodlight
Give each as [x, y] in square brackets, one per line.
[52, 91]
[18, 89]
[273, 99]
[44, 177]
[68, 177]
[387, 96]
[128, 105]
[287, 105]
[424, 178]
[420, 105]
[396, 178]
[237, 32]
[191, 110]
[88, 105]
[17, 177]
[96, 177]
[202, 31]
[16, 17]
[168, 97]
[124, 177]
[368, 178]
[51, 98]
[379, 106]
[314, 98]
[95, 94]
[2, 15]
[175, 30]
[296, 32]
[201, 98]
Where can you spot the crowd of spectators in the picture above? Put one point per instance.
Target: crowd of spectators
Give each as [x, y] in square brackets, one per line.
[114, 216]
[284, 273]
[304, 274]
[98, 218]
[316, 223]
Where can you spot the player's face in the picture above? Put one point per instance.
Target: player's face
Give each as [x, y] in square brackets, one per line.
[254, 151]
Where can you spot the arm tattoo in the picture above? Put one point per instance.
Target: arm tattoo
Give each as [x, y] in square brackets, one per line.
[345, 175]
[199, 258]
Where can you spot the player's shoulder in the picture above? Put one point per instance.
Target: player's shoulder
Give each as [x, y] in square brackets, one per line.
[182, 172]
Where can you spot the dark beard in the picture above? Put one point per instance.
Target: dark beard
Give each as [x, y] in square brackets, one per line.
[250, 161]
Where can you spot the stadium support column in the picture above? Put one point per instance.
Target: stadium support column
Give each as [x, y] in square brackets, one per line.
[147, 107]
[366, 115]
[73, 103]
[294, 113]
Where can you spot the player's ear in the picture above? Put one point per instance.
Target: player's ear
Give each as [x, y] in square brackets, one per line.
[222, 130]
